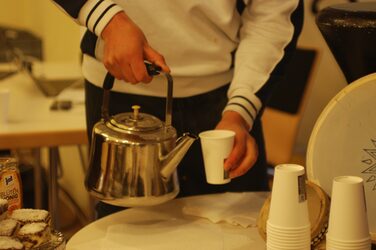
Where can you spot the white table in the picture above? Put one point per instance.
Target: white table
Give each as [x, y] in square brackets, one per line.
[32, 124]
[160, 227]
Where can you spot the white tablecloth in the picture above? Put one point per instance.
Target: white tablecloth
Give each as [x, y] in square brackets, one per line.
[180, 224]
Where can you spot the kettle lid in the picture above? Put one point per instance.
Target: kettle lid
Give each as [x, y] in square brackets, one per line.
[136, 121]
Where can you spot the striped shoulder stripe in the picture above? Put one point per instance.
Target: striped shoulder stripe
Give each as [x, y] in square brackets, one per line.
[95, 14]
[247, 106]
[92, 11]
[244, 108]
[247, 100]
[101, 16]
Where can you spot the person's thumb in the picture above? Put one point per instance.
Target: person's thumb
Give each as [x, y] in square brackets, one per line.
[154, 57]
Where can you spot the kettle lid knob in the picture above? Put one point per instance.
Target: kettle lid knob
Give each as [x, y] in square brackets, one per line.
[136, 109]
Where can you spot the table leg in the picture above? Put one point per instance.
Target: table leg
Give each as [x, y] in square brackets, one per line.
[38, 181]
[53, 187]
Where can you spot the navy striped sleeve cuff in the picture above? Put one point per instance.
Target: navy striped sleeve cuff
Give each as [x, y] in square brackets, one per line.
[95, 14]
[247, 106]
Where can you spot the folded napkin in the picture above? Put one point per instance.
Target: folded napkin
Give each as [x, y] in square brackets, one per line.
[234, 208]
[166, 235]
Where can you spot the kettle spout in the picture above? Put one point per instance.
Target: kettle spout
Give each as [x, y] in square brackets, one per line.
[173, 158]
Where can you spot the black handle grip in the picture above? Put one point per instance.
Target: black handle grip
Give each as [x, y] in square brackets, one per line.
[108, 81]
[152, 70]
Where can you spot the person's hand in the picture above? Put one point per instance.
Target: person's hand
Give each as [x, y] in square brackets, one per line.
[244, 153]
[126, 48]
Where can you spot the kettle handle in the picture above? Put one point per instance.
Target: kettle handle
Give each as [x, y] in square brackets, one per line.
[152, 70]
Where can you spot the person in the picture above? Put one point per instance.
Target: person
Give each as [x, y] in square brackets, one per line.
[225, 58]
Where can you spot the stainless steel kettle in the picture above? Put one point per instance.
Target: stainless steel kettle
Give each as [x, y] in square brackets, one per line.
[133, 156]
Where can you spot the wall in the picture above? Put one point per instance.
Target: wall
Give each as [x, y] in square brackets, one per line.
[60, 34]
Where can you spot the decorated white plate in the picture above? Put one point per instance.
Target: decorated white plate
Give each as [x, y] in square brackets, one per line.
[343, 141]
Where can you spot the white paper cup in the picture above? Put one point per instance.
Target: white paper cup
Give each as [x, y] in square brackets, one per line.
[332, 244]
[216, 147]
[289, 245]
[348, 224]
[288, 204]
[288, 225]
[286, 232]
[278, 238]
[4, 105]
[292, 238]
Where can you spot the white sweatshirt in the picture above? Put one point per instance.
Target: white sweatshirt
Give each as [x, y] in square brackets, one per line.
[197, 38]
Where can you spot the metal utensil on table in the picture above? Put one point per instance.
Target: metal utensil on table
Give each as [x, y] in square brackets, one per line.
[133, 156]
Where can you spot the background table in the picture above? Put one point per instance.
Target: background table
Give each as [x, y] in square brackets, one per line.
[163, 221]
[32, 124]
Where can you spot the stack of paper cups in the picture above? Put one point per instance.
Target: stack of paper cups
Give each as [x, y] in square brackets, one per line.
[348, 225]
[288, 226]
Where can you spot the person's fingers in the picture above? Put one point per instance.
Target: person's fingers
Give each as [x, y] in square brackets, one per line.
[139, 71]
[236, 154]
[110, 65]
[126, 48]
[128, 74]
[115, 72]
[247, 162]
[154, 57]
[133, 71]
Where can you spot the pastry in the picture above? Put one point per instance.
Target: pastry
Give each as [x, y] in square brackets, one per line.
[34, 234]
[9, 243]
[28, 215]
[8, 227]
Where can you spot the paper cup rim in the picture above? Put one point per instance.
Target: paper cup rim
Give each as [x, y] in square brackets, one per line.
[289, 168]
[216, 133]
[348, 179]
